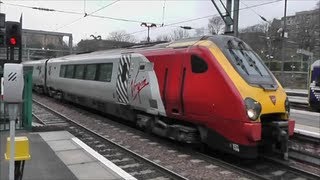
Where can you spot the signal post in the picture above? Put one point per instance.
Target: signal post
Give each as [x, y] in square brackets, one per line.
[12, 71]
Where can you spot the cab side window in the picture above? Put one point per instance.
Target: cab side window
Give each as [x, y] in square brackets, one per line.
[198, 65]
[91, 70]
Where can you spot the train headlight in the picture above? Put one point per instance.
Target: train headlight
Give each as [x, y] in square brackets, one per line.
[253, 108]
[287, 105]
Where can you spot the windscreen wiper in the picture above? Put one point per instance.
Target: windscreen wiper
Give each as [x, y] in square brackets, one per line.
[239, 61]
[252, 62]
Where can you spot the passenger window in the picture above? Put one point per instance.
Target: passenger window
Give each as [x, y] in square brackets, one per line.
[70, 71]
[79, 71]
[91, 72]
[105, 72]
[62, 70]
[39, 68]
[198, 65]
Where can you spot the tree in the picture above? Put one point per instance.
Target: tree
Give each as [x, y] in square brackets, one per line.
[163, 37]
[179, 34]
[199, 32]
[261, 27]
[216, 25]
[121, 36]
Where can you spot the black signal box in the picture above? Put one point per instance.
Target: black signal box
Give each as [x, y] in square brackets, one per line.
[13, 34]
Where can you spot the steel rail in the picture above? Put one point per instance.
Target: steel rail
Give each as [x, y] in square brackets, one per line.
[291, 168]
[162, 169]
[228, 165]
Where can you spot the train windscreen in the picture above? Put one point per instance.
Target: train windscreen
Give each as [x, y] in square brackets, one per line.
[246, 62]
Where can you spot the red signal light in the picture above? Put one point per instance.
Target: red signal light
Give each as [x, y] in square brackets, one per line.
[13, 41]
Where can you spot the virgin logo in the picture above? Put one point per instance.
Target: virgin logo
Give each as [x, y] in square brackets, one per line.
[273, 99]
[137, 87]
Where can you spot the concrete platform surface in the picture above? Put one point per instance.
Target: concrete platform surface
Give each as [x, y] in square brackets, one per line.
[59, 155]
[44, 163]
[307, 123]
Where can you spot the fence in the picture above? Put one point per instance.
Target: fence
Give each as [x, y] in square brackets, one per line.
[34, 53]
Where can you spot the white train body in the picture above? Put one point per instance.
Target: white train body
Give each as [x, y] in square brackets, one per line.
[136, 88]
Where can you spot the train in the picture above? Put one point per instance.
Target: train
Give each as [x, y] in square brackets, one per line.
[314, 86]
[211, 90]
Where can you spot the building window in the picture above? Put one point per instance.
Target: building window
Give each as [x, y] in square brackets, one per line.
[70, 71]
[79, 71]
[90, 72]
[198, 65]
[105, 72]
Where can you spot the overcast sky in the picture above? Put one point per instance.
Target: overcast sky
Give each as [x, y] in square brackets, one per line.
[155, 11]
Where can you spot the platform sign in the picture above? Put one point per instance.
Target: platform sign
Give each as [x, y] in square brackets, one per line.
[304, 52]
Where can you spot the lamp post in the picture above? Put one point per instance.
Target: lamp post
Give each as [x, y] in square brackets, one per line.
[148, 26]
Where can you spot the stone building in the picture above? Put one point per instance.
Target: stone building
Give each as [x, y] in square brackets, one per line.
[45, 39]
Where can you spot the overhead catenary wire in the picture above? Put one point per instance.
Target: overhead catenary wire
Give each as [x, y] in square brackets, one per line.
[263, 18]
[204, 17]
[122, 19]
[80, 13]
[85, 15]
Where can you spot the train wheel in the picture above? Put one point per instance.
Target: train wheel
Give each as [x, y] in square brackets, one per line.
[150, 126]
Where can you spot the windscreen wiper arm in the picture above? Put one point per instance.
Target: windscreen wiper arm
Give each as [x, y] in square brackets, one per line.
[239, 61]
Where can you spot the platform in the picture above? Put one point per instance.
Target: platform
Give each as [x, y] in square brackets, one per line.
[60, 155]
[307, 123]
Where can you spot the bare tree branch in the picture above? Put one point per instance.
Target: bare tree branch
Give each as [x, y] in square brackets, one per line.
[179, 34]
[121, 36]
[163, 37]
[216, 25]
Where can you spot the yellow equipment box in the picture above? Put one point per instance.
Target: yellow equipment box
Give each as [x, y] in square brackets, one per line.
[21, 149]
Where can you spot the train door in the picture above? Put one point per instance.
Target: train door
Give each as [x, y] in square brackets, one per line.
[44, 77]
[174, 80]
[123, 79]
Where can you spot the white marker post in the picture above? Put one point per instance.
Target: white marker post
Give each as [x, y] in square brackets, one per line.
[12, 94]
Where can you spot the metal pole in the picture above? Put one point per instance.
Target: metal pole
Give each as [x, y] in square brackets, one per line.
[20, 42]
[13, 110]
[283, 39]
[235, 17]
[229, 3]
[148, 38]
[70, 43]
[11, 49]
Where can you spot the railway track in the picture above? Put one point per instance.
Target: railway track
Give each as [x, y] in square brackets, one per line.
[184, 161]
[305, 148]
[267, 168]
[136, 165]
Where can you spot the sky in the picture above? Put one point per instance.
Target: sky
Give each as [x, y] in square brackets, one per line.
[117, 15]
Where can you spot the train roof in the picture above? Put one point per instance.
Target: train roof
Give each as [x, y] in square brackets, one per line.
[315, 64]
[153, 47]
